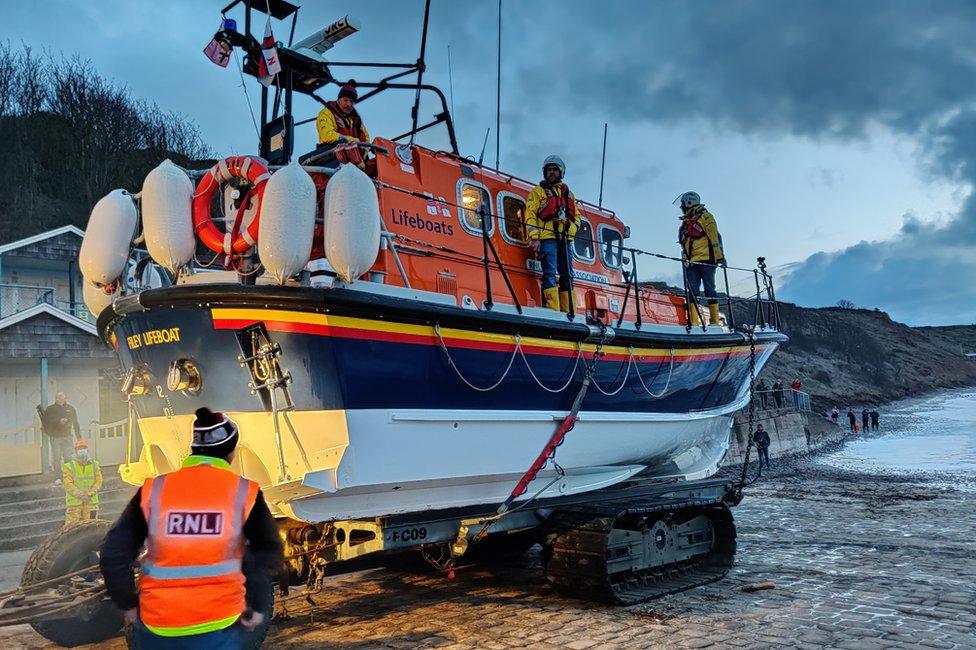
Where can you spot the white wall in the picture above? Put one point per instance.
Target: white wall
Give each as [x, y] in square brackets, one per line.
[20, 389]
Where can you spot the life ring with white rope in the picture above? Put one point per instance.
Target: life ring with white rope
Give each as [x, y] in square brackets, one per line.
[236, 239]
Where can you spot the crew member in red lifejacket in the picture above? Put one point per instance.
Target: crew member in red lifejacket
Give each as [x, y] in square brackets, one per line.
[551, 219]
[340, 123]
[701, 250]
[196, 588]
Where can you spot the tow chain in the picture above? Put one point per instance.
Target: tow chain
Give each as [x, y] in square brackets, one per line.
[749, 331]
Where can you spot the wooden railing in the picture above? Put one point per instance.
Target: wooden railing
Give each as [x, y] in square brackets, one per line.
[23, 452]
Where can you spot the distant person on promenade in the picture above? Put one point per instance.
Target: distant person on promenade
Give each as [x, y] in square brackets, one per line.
[778, 393]
[853, 419]
[795, 388]
[60, 422]
[762, 441]
[834, 414]
[865, 418]
[874, 419]
[763, 389]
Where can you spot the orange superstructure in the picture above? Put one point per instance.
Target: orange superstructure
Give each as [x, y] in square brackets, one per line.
[433, 202]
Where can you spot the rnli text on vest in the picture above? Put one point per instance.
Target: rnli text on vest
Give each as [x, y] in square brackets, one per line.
[195, 523]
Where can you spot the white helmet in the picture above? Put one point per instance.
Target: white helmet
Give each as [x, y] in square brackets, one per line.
[688, 200]
[557, 161]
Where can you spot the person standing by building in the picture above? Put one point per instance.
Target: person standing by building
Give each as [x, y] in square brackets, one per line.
[60, 422]
[865, 419]
[701, 250]
[852, 419]
[874, 419]
[82, 479]
[762, 441]
[196, 587]
[551, 219]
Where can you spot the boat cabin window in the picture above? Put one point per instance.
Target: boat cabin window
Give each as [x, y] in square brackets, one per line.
[511, 210]
[583, 247]
[611, 247]
[474, 201]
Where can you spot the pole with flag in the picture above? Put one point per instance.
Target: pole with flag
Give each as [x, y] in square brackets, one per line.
[269, 65]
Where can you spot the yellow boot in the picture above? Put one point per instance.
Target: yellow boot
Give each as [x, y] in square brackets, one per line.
[713, 316]
[550, 298]
[566, 298]
[693, 314]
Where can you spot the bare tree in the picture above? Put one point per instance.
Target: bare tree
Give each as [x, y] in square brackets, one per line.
[846, 304]
[68, 135]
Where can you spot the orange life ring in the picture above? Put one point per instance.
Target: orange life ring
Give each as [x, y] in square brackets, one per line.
[236, 240]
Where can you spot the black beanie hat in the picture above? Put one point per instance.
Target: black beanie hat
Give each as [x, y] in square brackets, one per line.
[214, 434]
[348, 89]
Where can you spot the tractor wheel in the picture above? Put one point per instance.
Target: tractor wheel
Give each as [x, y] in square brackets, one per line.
[70, 549]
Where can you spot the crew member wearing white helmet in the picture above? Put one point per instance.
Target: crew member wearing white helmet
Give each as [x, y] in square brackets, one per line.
[701, 250]
[551, 219]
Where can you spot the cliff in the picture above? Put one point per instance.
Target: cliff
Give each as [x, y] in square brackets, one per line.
[848, 357]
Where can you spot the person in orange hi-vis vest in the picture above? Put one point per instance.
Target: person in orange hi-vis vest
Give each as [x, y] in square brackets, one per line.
[197, 588]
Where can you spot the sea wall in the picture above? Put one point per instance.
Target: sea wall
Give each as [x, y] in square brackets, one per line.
[790, 432]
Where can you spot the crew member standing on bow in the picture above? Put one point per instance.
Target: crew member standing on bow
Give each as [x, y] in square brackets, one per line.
[197, 589]
[339, 124]
[551, 219]
[701, 250]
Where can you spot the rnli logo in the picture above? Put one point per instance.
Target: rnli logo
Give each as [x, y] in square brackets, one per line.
[206, 524]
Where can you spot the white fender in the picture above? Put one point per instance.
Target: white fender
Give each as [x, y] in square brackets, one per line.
[96, 299]
[167, 221]
[108, 238]
[352, 222]
[287, 222]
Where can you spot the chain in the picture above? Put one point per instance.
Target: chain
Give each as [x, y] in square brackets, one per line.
[750, 331]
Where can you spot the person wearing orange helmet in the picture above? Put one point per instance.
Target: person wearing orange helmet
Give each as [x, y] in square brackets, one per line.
[82, 479]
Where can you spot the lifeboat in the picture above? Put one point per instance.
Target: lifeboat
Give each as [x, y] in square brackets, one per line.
[425, 374]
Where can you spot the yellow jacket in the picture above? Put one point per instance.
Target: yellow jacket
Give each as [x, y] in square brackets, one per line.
[328, 130]
[81, 481]
[536, 228]
[704, 248]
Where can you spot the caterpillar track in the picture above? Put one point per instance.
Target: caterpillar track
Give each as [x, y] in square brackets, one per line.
[627, 553]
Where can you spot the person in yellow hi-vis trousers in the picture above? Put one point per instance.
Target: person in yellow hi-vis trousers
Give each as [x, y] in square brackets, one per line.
[82, 478]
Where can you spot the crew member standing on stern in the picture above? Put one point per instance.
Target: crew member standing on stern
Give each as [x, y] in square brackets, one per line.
[701, 250]
[340, 124]
[551, 220]
[82, 478]
[197, 587]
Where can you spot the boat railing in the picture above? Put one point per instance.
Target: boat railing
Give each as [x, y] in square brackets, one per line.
[759, 304]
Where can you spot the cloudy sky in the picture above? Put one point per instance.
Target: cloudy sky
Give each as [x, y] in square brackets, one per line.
[834, 138]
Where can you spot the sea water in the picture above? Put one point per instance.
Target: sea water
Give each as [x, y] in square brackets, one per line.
[936, 433]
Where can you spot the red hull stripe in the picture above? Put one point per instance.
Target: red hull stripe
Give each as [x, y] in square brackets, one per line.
[416, 339]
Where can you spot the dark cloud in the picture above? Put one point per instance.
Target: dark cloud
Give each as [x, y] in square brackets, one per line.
[822, 70]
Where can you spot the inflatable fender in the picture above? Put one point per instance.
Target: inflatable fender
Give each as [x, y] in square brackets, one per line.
[167, 199]
[96, 299]
[352, 222]
[287, 222]
[105, 248]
